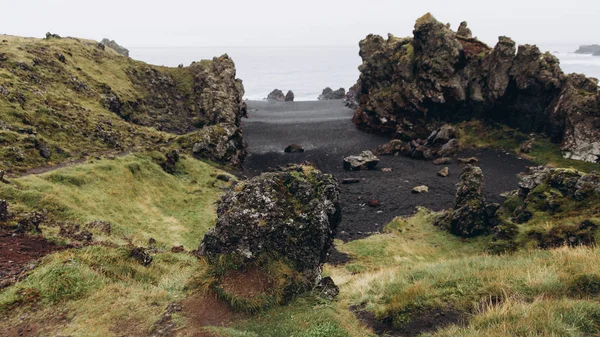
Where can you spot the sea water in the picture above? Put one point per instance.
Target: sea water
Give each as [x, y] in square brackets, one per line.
[308, 70]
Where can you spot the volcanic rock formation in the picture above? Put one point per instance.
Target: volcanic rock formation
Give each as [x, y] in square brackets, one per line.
[438, 74]
[291, 214]
[115, 46]
[276, 96]
[471, 216]
[329, 93]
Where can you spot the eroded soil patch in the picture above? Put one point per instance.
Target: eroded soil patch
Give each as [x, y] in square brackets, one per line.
[18, 252]
[428, 321]
[202, 311]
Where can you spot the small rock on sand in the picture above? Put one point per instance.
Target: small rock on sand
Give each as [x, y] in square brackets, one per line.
[294, 148]
[442, 161]
[387, 169]
[349, 181]
[374, 203]
[420, 189]
[366, 160]
[471, 160]
[444, 172]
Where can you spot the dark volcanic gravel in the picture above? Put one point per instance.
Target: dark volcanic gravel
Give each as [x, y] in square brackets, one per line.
[327, 134]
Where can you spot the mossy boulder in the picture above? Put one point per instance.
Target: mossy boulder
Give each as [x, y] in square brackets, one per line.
[290, 215]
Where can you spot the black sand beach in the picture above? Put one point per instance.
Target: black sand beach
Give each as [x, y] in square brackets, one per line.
[325, 130]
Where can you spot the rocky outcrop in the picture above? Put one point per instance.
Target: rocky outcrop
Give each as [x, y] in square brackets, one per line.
[115, 46]
[213, 96]
[276, 96]
[329, 93]
[440, 75]
[471, 216]
[289, 97]
[292, 214]
[588, 49]
[463, 30]
[596, 53]
[97, 102]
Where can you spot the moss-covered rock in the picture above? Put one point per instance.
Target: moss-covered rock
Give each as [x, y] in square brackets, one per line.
[291, 215]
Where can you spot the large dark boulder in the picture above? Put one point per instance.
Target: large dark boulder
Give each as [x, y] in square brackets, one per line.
[438, 75]
[292, 215]
[289, 97]
[276, 96]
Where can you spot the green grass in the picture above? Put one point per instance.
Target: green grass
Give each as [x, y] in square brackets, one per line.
[100, 288]
[307, 316]
[416, 268]
[132, 193]
[408, 240]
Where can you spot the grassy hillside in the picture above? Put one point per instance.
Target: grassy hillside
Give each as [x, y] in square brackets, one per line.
[132, 193]
[65, 98]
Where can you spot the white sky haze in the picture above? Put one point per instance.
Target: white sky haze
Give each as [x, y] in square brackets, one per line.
[298, 23]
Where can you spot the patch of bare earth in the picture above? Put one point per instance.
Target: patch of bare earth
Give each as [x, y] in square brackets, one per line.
[29, 325]
[246, 284]
[18, 252]
[428, 321]
[202, 311]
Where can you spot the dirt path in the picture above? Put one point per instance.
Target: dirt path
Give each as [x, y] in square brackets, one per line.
[325, 130]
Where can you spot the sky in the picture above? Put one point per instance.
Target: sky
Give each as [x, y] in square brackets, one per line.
[135, 23]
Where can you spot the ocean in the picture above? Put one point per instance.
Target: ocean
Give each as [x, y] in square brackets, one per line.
[307, 70]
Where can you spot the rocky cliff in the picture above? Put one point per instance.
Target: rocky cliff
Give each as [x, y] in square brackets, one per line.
[439, 74]
[64, 98]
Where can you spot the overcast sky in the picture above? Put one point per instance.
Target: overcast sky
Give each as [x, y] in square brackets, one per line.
[299, 23]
